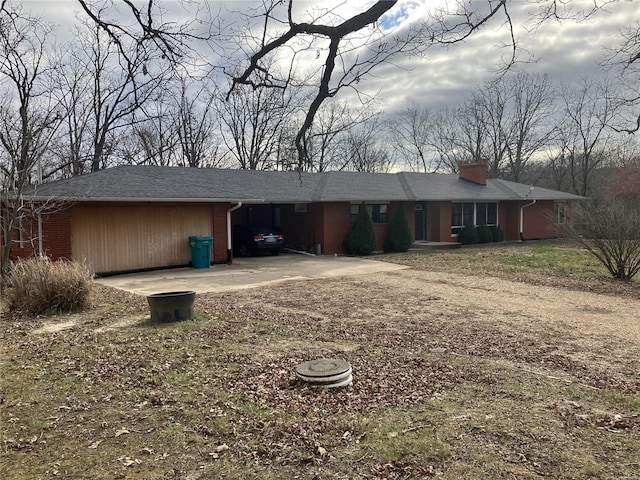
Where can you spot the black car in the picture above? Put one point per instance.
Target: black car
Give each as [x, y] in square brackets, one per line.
[250, 240]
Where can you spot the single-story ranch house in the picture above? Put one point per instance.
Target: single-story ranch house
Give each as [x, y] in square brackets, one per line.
[131, 218]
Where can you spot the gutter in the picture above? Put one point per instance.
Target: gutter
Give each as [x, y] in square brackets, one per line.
[522, 218]
[232, 209]
[38, 198]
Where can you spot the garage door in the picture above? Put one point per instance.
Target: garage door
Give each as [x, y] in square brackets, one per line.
[113, 239]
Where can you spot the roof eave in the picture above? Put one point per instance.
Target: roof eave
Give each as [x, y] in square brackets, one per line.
[38, 198]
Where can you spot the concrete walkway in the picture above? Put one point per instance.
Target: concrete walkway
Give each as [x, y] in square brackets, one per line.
[246, 273]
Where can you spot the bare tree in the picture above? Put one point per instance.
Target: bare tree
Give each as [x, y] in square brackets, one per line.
[154, 136]
[410, 132]
[329, 32]
[251, 123]
[584, 134]
[196, 127]
[73, 91]
[474, 122]
[29, 115]
[350, 45]
[365, 149]
[466, 134]
[492, 101]
[118, 90]
[627, 60]
[171, 41]
[330, 133]
[526, 126]
[447, 142]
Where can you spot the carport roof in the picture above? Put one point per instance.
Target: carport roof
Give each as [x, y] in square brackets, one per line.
[152, 183]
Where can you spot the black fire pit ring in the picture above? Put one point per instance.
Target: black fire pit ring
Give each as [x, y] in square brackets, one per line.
[171, 306]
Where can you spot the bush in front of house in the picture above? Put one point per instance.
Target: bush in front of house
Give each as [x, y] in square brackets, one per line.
[361, 237]
[497, 233]
[484, 234]
[609, 228]
[399, 237]
[468, 235]
[38, 286]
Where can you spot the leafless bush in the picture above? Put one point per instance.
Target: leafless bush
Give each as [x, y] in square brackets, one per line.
[610, 229]
[38, 285]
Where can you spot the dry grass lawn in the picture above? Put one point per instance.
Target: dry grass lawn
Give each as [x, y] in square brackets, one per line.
[509, 362]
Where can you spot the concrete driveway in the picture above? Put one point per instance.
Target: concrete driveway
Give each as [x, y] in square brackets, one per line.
[246, 273]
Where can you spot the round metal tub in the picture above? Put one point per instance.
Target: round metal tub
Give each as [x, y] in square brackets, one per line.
[171, 306]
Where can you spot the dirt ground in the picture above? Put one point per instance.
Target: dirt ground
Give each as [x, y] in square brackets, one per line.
[466, 315]
[454, 376]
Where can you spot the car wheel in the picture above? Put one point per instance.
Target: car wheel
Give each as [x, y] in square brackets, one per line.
[276, 252]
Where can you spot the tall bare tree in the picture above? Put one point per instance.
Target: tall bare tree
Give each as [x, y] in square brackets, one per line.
[626, 58]
[197, 127]
[29, 115]
[329, 134]
[251, 123]
[410, 132]
[73, 91]
[155, 129]
[492, 102]
[118, 89]
[365, 149]
[526, 126]
[584, 133]
[447, 141]
[328, 31]
[337, 39]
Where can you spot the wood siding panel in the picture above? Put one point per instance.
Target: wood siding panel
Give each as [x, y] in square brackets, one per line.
[115, 239]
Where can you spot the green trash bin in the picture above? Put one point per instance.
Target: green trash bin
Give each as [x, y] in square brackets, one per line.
[200, 250]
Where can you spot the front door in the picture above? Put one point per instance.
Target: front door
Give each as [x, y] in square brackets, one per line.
[421, 224]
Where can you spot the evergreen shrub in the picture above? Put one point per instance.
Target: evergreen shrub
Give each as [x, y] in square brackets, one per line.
[399, 237]
[484, 234]
[497, 233]
[361, 237]
[468, 235]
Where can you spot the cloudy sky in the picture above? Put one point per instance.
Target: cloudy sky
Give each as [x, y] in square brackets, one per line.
[566, 50]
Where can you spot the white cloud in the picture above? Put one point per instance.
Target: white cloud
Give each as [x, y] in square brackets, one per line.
[565, 50]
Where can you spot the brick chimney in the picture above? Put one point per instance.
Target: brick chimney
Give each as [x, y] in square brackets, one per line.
[474, 172]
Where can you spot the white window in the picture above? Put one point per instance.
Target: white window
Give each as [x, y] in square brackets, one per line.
[560, 212]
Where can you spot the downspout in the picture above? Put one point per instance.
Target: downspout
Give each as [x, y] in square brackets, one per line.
[232, 209]
[40, 249]
[522, 218]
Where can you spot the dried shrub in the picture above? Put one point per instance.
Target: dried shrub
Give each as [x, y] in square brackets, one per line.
[37, 286]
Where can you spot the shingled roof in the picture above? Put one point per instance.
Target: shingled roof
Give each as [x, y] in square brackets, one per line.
[182, 184]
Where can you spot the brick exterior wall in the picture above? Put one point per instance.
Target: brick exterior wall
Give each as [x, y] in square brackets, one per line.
[219, 219]
[56, 237]
[322, 223]
[539, 222]
[336, 222]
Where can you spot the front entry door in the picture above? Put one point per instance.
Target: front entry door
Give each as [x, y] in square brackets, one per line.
[421, 224]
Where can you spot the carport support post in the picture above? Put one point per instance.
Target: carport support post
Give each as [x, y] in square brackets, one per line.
[232, 209]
